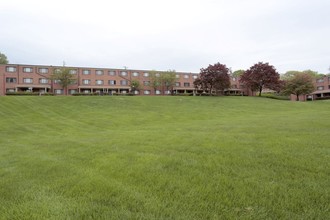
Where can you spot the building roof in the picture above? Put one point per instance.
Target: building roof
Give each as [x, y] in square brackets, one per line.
[321, 91]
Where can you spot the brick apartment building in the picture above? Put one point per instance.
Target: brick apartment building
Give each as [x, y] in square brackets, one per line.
[322, 91]
[36, 78]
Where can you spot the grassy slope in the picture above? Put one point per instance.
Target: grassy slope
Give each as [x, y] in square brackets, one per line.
[164, 158]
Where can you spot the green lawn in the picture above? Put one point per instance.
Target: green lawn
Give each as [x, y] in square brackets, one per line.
[164, 158]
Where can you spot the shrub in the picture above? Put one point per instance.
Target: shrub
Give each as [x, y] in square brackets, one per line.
[85, 94]
[184, 94]
[28, 94]
[274, 96]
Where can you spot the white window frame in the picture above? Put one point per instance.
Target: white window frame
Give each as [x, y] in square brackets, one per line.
[28, 80]
[113, 82]
[123, 84]
[11, 69]
[99, 82]
[111, 73]
[43, 81]
[43, 70]
[99, 72]
[123, 73]
[73, 71]
[27, 69]
[86, 81]
[135, 74]
[86, 72]
[58, 91]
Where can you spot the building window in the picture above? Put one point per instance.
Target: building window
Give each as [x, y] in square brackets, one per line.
[86, 81]
[146, 92]
[146, 83]
[186, 76]
[10, 69]
[43, 81]
[99, 72]
[112, 73]
[177, 84]
[167, 92]
[186, 84]
[146, 74]
[195, 76]
[10, 90]
[99, 82]
[27, 80]
[43, 70]
[320, 80]
[112, 82]
[123, 73]
[58, 91]
[157, 74]
[86, 72]
[57, 81]
[135, 74]
[73, 72]
[11, 80]
[123, 82]
[320, 88]
[157, 92]
[177, 76]
[27, 69]
[136, 92]
[72, 91]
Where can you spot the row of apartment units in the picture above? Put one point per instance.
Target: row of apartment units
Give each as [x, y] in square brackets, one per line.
[322, 91]
[36, 78]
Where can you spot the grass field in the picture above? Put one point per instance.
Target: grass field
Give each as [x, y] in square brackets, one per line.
[164, 158]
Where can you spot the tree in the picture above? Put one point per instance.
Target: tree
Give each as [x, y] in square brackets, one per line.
[260, 76]
[168, 80]
[135, 86]
[214, 78]
[289, 74]
[237, 73]
[3, 59]
[299, 84]
[64, 77]
[155, 80]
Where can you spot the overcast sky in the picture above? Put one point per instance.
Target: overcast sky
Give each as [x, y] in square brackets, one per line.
[184, 35]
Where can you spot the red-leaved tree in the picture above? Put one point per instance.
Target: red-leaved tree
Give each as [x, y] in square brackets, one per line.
[213, 78]
[260, 76]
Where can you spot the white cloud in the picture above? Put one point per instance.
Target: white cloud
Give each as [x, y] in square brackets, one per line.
[173, 34]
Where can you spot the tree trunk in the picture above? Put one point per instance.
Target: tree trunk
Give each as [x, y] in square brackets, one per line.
[260, 89]
[297, 99]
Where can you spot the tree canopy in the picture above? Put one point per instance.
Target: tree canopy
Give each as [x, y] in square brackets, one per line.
[214, 78]
[3, 59]
[164, 81]
[299, 84]
[237, 73]
[135, 85]
[64, 77]
[260, 76]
